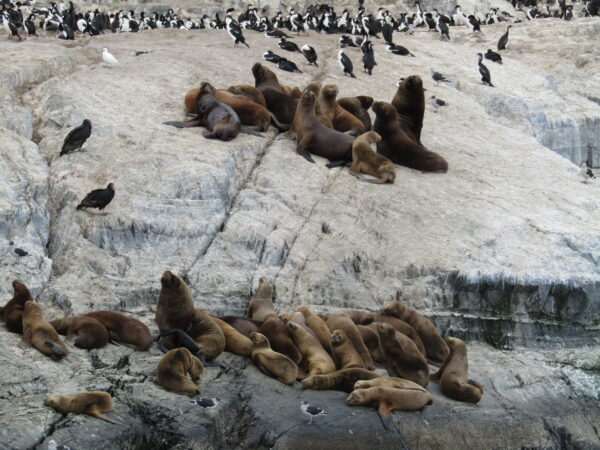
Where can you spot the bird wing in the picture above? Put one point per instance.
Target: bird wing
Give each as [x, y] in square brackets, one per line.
[314, 410]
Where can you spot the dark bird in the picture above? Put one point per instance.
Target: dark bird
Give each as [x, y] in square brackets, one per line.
[310, 54]
[138, 53]
[437, 77]
[503, 40]
[311, 411]
[288, 66]
[271, 57]
[289, 46]
[206, 403]
[398, 50]
[493, 56]
[437, 102]
[77, 137]
[274, 33]
[387, 30]
[368, 57]
[345, 63]
[20, 251]
[30, 26]
[98, 198]
[235, 32]
[484, 71]
[346, 41]
[10, 27]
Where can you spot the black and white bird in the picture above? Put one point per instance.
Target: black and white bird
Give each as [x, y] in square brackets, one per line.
[311, 411]
[346, 41]
[368, 57]
[345, 64]
[77, 137]
[310, 54]
[235, 32]
[503, 40]
[398, 50]
[271, 57]
[284, 44]
[493, 56]
[206, 403]
[65, 32]
[30, 25]
[10, 27]
[288, 66]
[437, 102]
[486, 78]
[442, 27]
[586, 173]
[275, 33]
[98, 198]
[437, 77]
[20, 252]
[474, 23]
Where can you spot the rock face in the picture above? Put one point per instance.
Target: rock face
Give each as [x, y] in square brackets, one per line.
[503, 250]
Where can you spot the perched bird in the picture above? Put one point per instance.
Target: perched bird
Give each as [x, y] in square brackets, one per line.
[30, 26]
[271, 57]
[206, 403]
[437, 102]
[98, 198]
[503, 40]
[345, 63]
[486, 78]
[10, 27]
[275, 33]
[398, 50]
[311, 411]
[77, 137]
[368, 57]
[310, 54]
[235, 32]
[289, 46]
[108, 58]
[346, 41]
[437, 77]
[288, 66]
[585, 172]
[20, 251]
[493, 56]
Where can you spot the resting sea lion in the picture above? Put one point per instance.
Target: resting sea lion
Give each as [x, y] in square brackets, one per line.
[389, 382]
[279, 339]
[359, 108]
[315, 88]
[86, 332]
[242, 324]
[402, 327]
[371, 339]
[344, 353]
[344, 323]
[318, 360]
[280, 104]
[124, 329]
[235, 342]
[366, 160]
[261, 303]
[173, 368]
[249, 92]
[175, 309]
[409, 103]
[388, 399]
[399, 147]
[275, 364]
[341, 380]
[341, 119]
[437, 350]
[359, 317]
[92, 403]
[12, 312]
[40, 334]
[319, 327]
[453, 375]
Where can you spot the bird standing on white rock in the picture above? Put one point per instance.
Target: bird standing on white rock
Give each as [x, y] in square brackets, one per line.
[108, 58]
[586, 173]
[437, 102]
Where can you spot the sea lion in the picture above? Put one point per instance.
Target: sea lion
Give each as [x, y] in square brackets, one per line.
[402, 355]
[404, 328]
[359, 317]
[409, 103]
[341, 380]
[344, 353]
[242, 324]
[437, 350]
[341, 119]
[344, 322]
[86, 332]
[235, 342]
[298, 317]
[371, 339]
[366, 160]
[319, 327]
[280, 104]
[261, 303]
[92, 403]
[388, 399]
[453, 374]
[40, 334]
[181, 339]
[279, 339]
[274, 364]
[175, 309]
[389, 382]
[124, 329]
[12, 312]
[398, 146]
[249, 92]
[173, 368]
[315, 88]
[315, 138]
[359, 108]
[318, 360]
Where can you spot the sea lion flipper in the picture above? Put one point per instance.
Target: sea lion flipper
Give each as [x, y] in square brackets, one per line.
[186, 124]
[246, 130]
[305, 154]
[375, 181]
[265, 371]
[55, 348]
[332, 164]
[99, 415]
[209, 135]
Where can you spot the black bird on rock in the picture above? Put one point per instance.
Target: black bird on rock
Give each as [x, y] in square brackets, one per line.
[272, 57]
[77, 137]
[484, 71]
[503, 40]
[20, 251]
[288, 66]
[437, 77]
[98, 198]
[289, 46]
[493, 56]
[310, 54]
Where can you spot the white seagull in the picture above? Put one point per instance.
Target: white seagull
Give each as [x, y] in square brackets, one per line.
[311, 411]
[108, 58]
[586, 173]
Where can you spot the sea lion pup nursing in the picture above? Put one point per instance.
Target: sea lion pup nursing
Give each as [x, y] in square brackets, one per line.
[175, 310]
[388, 399]
[409, 103]
[173, 368]
[12, 312]
[281, 105]
[261, 303]
[124, 329]
[40, 334]
[359, 108]
[341, 380]
[341, 119]
[453, 374]
[92, 403]
[272, 363]
[85, 332]
[366, 160]
[318, 360]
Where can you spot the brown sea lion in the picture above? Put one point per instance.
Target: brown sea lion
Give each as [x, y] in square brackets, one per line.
[40, 334]
[274, 364]
[318, 360]
[344, 322]
[399, 147]
[235, 342]
[315, 138]
[124, 329]
[344, 353]
[279, 339]
[359, 108]
[453, 375]
[319, 327]
[404, 328]
[298, 318]
[315, 88]
[437, 350]
[388, 399]
[280, 104]
[173, 368]
[341, 380]
[402, 355]
[409, 103]
[389, 382]
[12, 312]
[359, 317]
[261, 303]
[92, 403]
[249, 92]
[85, 332]
[242, 324]
[340, 118]
[371, 339]
[175, 310]
[366, 160]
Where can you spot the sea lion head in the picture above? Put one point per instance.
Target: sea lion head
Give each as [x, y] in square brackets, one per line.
[456, 346]
[314, 87]
[413, 83]
[265, 288]
[292, 326]
[53, 400]
[304, 310]
[372, 137]
[361, 384]
[21, 292]
[171, 281]
[308, 99]
[206, 88]
[285, 317]
[259, 340]
[295, 94]
[392, 309]
[385, 329]
[338, 337]
[365, 101]
[384, 110]
[329, 92]
[262, 73]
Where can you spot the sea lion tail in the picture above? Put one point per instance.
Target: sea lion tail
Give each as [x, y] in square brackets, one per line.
[55, 348]
[280, 126]
[103, 417]
[246, 130]
[209, 135]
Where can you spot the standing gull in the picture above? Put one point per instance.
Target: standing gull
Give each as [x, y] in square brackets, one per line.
[311, 411]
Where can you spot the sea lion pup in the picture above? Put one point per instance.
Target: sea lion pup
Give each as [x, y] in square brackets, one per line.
[85, 332]
[242, 324]
[175, 309]
[371, 339]
[281, 106]
[40, 334]
[409, 103]
[437, 350]
[453, 374]
[235, 342]
[315, 138]
[366, 160]
[400, 147]
[92, 403]
[280, 341]
[404, 328]
[12, 312]
[344, 353]
[359, 108]
[341, 380]
[389, 382]
[272, 363]
[341, 119]
[344, 322]
[388, 399]
[249, 92]
[173, 368]
[402, 355]
[319, 327]
[261, 303]
[318, 360]
[124, 329]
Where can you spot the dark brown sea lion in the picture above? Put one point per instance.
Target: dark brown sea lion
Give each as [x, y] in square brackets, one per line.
[276, 332]
[359, 317]
[359, 108]
[341, 119]
[341, 380]
[12, 312]
[92, 403]
[40, 334]
[281, 105]
[371, 339]
[124, 329]
[242, 324]
[85, 332]
[250, 92]
[368, 161]
[409, 103]
[404, 328]
[173, 369]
